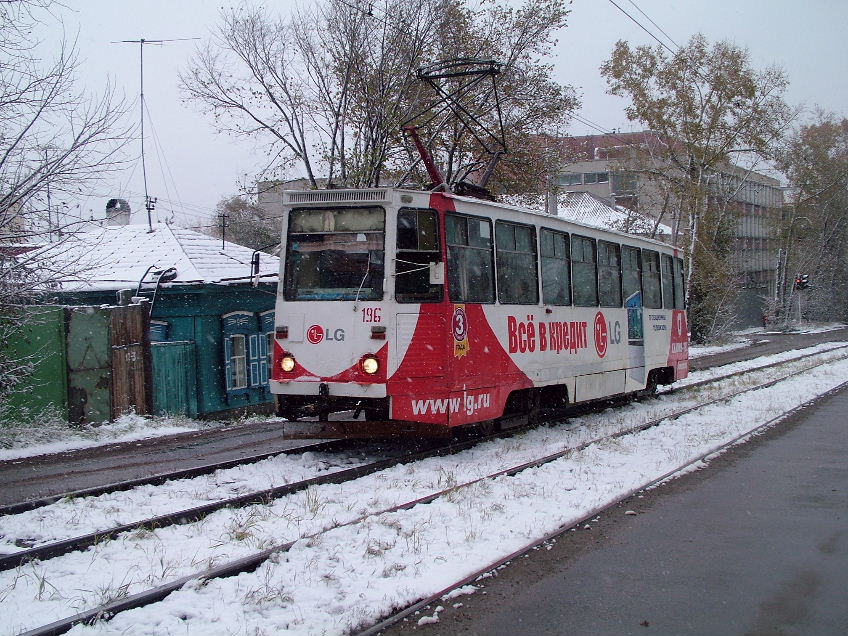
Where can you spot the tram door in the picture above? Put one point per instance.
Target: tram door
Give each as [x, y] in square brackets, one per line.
[631, 282]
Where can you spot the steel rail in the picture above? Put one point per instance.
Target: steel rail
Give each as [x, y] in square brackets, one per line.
[700, 383]
[250, 562]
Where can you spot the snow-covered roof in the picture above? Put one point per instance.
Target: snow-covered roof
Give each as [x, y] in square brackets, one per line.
[592, 210]
[585, 207]
[117, 257]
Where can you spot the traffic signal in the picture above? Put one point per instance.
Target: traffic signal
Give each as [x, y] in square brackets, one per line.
[802, 281]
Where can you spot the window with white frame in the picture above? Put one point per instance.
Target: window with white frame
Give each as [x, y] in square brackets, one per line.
[238, 362]
[241, 352]
[266, 344]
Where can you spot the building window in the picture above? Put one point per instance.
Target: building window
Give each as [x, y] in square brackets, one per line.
[266, 327]
[246, 355]
[238, 363]
[596, 177]
[570, 179]
[160, 330]
[623, 183]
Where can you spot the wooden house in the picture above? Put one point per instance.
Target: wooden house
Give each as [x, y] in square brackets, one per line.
[211, 310]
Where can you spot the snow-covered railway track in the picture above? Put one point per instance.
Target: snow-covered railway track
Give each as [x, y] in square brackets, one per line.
[15, 535]
[786, 358]
[161, 478]
[441, 490]
[367, 466]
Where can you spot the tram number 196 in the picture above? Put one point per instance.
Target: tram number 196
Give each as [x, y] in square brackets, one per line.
[371, 314]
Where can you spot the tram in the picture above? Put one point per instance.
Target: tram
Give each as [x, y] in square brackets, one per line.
[404, 312]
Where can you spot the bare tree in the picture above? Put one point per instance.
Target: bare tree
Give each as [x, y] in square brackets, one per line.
[54, 140]
[330, 88]
[712, 113]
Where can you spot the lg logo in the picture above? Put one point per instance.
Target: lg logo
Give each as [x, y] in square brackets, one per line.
[316, 334]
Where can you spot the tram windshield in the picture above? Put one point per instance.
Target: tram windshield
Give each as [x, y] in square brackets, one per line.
[335, 254]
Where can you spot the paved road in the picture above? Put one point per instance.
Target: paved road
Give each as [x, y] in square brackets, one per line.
[755, 544]
[762, 344]
[42, 476]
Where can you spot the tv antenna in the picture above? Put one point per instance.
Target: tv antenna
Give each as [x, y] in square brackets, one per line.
[149, 202]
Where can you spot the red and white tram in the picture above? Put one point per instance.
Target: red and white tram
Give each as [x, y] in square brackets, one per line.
[425, 311]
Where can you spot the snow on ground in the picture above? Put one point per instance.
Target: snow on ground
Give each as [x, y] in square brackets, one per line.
[351, 575]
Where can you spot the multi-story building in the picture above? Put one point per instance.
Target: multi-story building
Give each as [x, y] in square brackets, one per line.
[608, 166]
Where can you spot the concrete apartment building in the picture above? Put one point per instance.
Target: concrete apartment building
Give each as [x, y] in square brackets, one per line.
[599, 164]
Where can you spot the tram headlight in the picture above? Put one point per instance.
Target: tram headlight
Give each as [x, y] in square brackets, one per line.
[288, 363]
[370, 364]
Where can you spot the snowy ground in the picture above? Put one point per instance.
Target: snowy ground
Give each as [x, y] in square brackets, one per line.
[350, 575]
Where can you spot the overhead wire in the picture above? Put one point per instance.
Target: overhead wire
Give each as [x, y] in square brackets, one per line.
[598, 127]
[643, 27]
[647, 17]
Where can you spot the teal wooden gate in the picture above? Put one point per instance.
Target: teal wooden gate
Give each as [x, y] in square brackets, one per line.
[174, 378]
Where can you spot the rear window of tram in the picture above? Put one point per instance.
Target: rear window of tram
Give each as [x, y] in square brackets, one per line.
[668, 281]
[679, 287]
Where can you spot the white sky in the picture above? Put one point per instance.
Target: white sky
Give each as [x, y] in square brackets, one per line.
[195, 167]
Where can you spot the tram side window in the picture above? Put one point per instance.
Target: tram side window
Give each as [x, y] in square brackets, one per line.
[609, 274]
[668, 281]
[556, 282]
[417, 247]
[584, 271]
[651, 291]
[518, 281]
[470, 263]
[679, 289]
[631, 276]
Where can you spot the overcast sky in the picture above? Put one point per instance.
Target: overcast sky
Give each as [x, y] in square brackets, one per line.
[190, 167]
